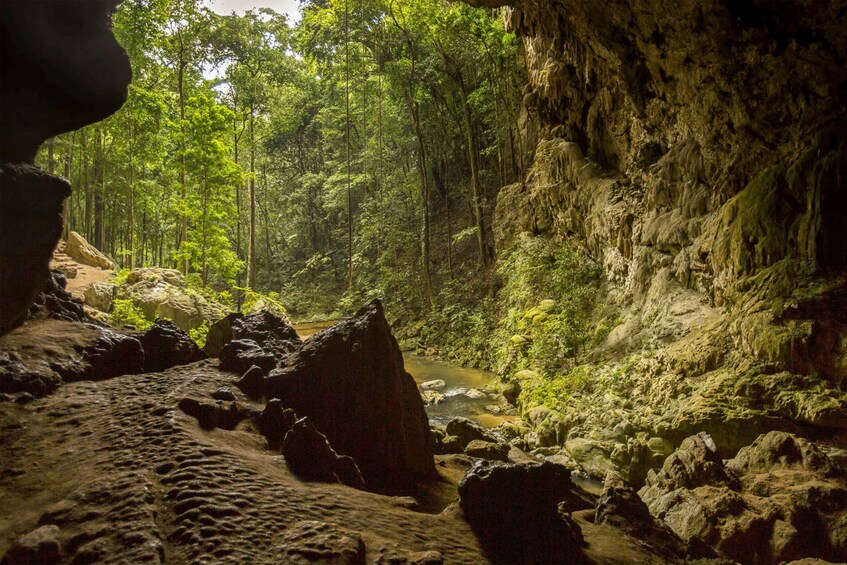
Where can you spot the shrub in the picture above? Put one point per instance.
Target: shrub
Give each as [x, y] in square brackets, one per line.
[126, 313]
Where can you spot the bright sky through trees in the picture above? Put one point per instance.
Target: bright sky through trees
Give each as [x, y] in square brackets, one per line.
[290, 7]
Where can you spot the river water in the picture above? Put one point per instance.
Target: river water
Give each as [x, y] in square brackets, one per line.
[457, 380]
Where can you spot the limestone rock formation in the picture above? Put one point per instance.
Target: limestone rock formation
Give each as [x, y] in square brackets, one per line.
[699, 155]
[80, 250]
[273, 333]
[100, 295]
[310, 541]
[467, 431]
[166, 346]
[240, 355]
[56, 303]
[275, 422]
[30, 224]
[349, 380]
[162, 293]
[620, 507]
[514, 509]
[44, 353]
[310, 456]
[781, 499]
[46, 88]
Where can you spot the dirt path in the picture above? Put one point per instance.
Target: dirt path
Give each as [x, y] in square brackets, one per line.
[86, 275]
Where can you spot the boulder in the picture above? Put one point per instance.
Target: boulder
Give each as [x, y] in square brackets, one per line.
[310, 456]
[488, 450]
[695, 463]
[239, 355]
[781, 450]
[252, 382]
[83, 252]
[100, 295]
[511, 392]
[220, 333]
[431, 397]
[162, 293]
[224, 394]
[271, 332]
[166, 346]
[514, 510]
[57, 303]
[38, 546]
[436, 384]
[621, 508]
[782, 498]
[275, 422]
[468, 430]
[350, 381]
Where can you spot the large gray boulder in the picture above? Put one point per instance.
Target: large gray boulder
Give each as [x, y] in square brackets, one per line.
[83, 252]
[162, 293]
[100, 295]
[349, 380]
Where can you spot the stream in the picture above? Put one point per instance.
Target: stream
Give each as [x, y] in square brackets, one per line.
[457, 382]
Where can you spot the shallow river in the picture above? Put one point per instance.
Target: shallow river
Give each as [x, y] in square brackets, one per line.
[458, 381]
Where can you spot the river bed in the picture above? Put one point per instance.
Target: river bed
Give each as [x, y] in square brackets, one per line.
[458, 381]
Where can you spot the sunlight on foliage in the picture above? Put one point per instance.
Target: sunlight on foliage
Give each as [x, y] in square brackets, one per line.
[126, 313]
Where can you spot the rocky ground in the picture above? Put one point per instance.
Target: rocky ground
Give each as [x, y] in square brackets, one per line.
[193, 463]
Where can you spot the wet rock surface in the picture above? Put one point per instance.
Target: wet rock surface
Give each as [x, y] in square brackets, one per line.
[349, 380]
[149, 482]
[41, 355]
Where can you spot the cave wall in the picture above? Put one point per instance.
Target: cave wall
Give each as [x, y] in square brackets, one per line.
[61, 68]
[697, 149]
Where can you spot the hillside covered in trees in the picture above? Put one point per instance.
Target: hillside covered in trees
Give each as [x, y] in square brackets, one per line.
[356, 154]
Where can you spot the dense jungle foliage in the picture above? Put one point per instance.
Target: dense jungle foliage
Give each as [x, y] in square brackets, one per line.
[356, 154]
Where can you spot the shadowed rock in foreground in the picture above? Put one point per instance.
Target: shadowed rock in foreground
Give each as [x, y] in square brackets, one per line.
[514, 509]
[349, 380]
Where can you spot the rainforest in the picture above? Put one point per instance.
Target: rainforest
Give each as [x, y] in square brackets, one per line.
[423, 281]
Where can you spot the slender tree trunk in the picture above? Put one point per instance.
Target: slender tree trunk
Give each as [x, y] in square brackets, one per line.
[89, 191]
[183, 234]
[128, 259]
[235, 137]
[143, 239]
[205, 229]
[347, 141]
[425, 193]
[68, 209]
[99, 204]
[446, 171]
[251, 243]
[476, 190]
